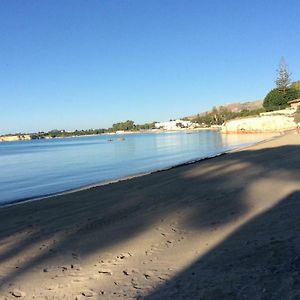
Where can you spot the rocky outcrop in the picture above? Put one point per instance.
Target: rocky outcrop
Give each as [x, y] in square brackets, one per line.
[261, 124]
[12, 138]
[286, 112]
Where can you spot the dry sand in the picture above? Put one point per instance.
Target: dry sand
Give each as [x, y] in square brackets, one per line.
[223, 228]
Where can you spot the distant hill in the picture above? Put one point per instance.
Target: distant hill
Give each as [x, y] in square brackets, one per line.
[236, 107]
[250, 105]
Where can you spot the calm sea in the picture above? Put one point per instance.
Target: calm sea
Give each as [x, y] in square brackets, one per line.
[35, 168]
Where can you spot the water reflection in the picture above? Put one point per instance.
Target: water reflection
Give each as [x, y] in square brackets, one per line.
[39, 167]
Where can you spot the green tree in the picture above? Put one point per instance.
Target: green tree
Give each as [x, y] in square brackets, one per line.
[128, 125]
[296, 85]
[279, 98]
[283, 76]
[216, 117]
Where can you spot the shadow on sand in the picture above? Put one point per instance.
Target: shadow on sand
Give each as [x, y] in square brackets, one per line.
[261, 260]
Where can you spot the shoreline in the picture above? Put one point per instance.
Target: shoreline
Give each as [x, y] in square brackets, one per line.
[109, 182]
[208, 230]
[113, 134]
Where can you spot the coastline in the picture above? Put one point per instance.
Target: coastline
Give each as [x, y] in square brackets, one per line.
[110, 134]
[112, 181]
[216, 228]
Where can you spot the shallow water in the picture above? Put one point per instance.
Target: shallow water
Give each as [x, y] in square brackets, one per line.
[39, 167]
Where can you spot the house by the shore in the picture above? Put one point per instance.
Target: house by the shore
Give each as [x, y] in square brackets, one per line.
[174, 125]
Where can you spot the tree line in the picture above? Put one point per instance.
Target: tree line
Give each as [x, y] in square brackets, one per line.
[128, 125]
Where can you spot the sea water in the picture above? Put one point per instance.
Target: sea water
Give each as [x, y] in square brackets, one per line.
[31, 169]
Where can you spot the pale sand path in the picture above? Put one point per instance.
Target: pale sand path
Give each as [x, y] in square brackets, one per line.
[224, 228]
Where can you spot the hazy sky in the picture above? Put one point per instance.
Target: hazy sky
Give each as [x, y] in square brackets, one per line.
[86, 64]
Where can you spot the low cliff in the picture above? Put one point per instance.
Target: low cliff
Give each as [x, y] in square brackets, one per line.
[261, 124]
[12, 138]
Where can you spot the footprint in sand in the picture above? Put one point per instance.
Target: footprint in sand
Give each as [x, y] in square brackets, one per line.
[63, 268]
[76, 267]
[105, 271]
[18, 293]
[164, 277]
[86, 294]
[129, 272]
[149, 274]
[141, 286]
[135, 284]
[89, 294]
[124, 255]
[120, 258]
[170, 242]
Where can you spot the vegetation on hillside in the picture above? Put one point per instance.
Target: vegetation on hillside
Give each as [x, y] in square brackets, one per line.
[129, 125]
[222, 114]
[284, 92]
[278, 98]
[63, 133]
[296, 85]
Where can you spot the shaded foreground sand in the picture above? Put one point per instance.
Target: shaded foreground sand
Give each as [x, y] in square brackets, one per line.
[224, 228]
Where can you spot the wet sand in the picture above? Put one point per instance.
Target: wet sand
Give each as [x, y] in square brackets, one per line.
[223, 228]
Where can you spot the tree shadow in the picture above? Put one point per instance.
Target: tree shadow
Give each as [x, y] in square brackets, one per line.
[210, 191]
[261, 260]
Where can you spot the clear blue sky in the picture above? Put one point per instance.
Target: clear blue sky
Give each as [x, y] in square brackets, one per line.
[87, 63]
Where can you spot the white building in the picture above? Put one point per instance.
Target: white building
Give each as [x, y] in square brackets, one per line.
[173, 125]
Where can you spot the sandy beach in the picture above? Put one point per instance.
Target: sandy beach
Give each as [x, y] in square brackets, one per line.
[223, 228]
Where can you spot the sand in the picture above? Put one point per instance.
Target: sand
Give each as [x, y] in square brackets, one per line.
[223, 228]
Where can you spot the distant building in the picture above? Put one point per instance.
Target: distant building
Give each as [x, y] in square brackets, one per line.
[120, 131]
[295, 103]
[174, 125]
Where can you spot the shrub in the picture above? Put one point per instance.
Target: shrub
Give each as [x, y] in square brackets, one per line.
[297, 116]
[279, 98]
[296, 85]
